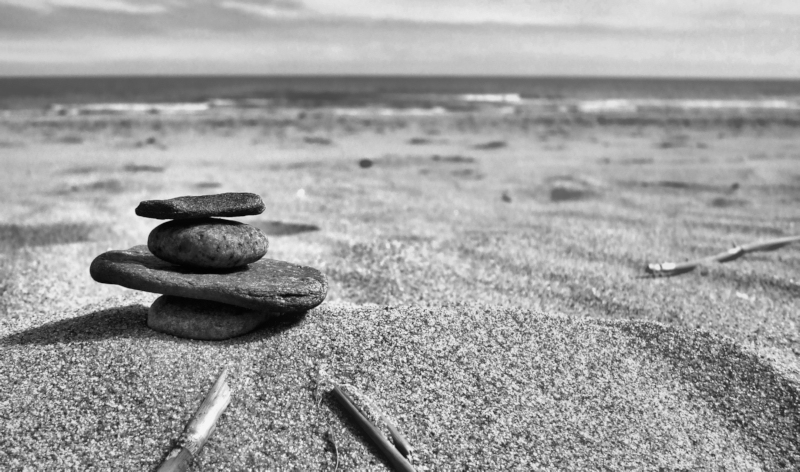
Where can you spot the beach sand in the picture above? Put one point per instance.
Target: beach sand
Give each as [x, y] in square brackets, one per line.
[485, 291]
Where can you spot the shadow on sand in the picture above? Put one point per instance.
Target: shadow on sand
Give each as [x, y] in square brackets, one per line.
[746, 392]
[128, 321]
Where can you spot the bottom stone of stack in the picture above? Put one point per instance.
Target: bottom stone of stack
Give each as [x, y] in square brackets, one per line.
[202, 319]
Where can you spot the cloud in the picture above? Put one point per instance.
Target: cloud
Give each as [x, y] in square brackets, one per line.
[617, 14]
[666, 37]
[267, 8]
[39, 19]
[272, 9]
[511, 12]
[652, 15]
[121, 6]
[324, 47]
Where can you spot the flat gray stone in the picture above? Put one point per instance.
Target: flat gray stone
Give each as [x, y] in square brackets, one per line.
[209, 243]
[202, 206]
[202, 319]
[265, 285]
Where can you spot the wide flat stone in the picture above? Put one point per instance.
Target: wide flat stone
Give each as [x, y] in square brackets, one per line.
[208, 243]
[265, 285]
[202, 319]
[202, 206]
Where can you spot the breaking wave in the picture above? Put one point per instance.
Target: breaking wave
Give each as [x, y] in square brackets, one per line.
[637, 105]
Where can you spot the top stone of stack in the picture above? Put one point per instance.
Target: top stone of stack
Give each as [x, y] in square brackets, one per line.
[204, 206]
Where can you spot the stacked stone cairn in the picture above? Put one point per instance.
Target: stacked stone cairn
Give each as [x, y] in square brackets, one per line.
[215, 281]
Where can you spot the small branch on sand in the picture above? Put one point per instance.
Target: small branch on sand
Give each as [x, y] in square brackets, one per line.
[200, 427]
[397, 461]
[668, 269]
[399, 440]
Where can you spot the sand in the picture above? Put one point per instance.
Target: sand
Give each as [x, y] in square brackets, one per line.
[486, 297]
[471, 387]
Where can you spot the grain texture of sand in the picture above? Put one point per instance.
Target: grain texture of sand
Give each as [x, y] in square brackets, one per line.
[485, 298]
[472, 387]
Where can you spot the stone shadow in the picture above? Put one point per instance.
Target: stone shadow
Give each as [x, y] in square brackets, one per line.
[129, 321]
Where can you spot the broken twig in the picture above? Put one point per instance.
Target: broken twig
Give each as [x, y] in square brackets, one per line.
[398, 462]
[669, 269]
[200, 427]
[399, 440]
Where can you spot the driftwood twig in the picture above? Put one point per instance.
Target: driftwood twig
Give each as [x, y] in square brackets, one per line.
[397, 461]
[668, 269]
[399, 440]
[200, 427]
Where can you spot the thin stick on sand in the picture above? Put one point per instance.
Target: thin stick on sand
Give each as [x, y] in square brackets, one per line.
[200, 427]
[400, 441]
[669, 269]
[398, 462]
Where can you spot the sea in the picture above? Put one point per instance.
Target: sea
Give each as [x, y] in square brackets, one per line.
[409, 94]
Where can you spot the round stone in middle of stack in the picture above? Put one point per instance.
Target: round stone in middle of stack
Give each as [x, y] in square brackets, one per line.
[208, 243]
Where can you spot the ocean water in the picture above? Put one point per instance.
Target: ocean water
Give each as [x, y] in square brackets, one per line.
[197, 94]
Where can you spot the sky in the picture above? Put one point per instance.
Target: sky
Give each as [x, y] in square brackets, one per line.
[668, 38]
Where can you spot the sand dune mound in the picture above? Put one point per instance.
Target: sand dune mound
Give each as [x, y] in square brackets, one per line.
[472, 387]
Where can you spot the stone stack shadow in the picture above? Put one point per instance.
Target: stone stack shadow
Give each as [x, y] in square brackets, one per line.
[211, 272]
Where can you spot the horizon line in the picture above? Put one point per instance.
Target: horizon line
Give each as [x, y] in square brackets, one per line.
[403, 76]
